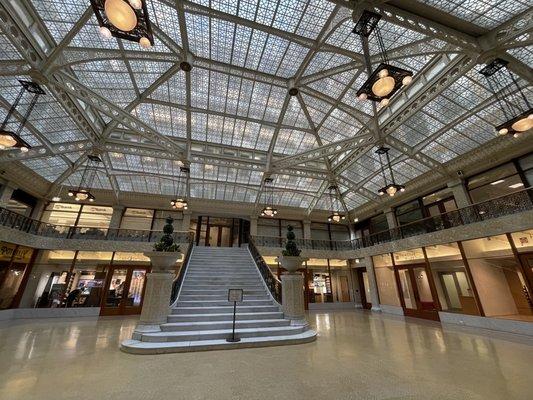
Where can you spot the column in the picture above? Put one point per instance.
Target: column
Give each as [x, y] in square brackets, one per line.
[391, 218]
[307, 229]
[292, 297]
[6, 191]
[374, 295]
[253, 226]
[460, 193]
[186, 221]
[37, 211]
[116, 217]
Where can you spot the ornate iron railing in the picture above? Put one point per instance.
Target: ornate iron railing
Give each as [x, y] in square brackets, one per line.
[505, 205]
[273, 283]
[22, 223]
[176, 285]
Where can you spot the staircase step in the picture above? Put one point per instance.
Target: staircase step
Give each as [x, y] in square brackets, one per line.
[138, 347]
[223, 309]
[174, 336]
[240, 316]
[216, 325]
[207, 297]
[220, 292]
[222, 287]
[221, 303]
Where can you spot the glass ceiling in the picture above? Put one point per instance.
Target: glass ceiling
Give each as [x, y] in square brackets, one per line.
[233, 114]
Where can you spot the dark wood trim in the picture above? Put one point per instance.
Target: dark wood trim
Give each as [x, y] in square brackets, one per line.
[471, 279]
[24, 282]
[432, 286]
[525, 271]
[207, 232]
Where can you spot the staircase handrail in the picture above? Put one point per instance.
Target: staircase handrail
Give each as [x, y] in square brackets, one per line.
[272, 282]
[178, 280]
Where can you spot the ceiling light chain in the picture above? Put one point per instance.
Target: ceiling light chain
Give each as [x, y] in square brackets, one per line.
[519, 116]
[180, 202]
[335, 215]
[269, 210]
[9, 139]
[392, 188]
[87, 180]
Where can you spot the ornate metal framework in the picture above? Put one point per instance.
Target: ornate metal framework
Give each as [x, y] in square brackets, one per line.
[157, 114]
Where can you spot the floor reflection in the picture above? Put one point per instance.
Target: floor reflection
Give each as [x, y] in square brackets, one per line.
[358, 355]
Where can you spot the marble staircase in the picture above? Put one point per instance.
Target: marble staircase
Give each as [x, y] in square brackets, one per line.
[201, 318]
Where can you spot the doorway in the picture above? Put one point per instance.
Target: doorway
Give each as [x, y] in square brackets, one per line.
[364, 287]
[124, 290]
[221, 232]
[415, 292]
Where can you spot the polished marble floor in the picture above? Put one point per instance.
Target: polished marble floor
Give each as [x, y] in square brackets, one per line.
[358, 355]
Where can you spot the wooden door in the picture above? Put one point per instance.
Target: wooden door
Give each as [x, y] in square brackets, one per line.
[415, 291]
[362, 279]
[124, 290]
[345, 289]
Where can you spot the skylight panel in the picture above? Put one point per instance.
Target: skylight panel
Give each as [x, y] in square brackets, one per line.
[334, 85]
[524, 54]
[292, 60]
[241, 42]
[324, 60]
[343, 37]
[89, 37]
[292, 142]
[60, 15]
[221, 48]
[271, 59]
[199, 34]
[456, 142]
[294, 115]
[256, 49]
[50, 168]
[167, 19]
[146, 73]
[7, 50]
[438, 152]
[173, 90]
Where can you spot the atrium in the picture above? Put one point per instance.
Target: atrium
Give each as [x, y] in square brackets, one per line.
[248, 199]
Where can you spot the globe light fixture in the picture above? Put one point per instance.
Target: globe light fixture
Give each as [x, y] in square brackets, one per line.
[124, 19]
[180, 202]
[391, 189]
[12, 139]
[335, 215]
[383, 82]
[82, 193]
[269, 210]
[510, 98]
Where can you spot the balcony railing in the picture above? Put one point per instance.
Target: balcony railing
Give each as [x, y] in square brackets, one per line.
[19, 222]
[505, 205]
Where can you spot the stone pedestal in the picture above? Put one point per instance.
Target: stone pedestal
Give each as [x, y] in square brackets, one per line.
[292, 286]
[156, 303]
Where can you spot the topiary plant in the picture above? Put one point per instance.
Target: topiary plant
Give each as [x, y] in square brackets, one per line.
[166, 242]
[291, 250]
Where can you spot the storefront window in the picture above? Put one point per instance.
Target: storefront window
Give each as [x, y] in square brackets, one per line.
[137, 219]
[13, 263]
[268, 227]
[451, 280]
[378, 223]
[97, 217]
[409, 212]
[408, 257]
[61, 214]
[385, 280]
[319, 231]
[494, 183]
[498, 278]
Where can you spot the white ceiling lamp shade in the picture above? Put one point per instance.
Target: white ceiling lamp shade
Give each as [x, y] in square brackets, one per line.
[13, 140]
[335, 215]
[124, 19]
[269, 210]
[510, 97]
[180, 202]
[82, 193]
[391, 188]
[386, 79]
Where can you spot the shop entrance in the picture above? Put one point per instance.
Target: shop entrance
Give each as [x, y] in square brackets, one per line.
[415, 291]
[364, 287]
[124, 290]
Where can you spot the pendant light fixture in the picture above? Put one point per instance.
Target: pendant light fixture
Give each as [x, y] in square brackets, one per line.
[269, 210]
[12, 140]
[510, 97]
[390, 188]
[57, 197]
[124, 19]
[335, 215]
[386, 79]
[82, 193]
[180, 202]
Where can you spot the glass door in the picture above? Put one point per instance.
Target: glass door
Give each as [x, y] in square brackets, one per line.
[124, 290]
[415, 292]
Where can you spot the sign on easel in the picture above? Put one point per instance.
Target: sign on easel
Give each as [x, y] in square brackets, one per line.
[235, 295]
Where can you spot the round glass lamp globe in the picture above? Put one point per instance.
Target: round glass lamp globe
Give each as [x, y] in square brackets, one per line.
[383, 86]
[120, 14]
[144, 42]
[137, 4]
[391, 191]
[105, 32]
[7, 140]
[82, 196]
[523, 124]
